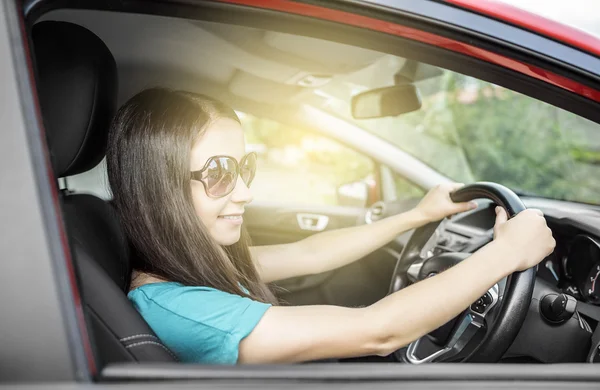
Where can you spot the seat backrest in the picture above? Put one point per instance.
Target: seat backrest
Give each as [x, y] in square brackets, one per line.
[77, 88]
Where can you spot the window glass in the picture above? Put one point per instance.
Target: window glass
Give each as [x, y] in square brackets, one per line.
[406, 189]
[302, 167]
[472, 130]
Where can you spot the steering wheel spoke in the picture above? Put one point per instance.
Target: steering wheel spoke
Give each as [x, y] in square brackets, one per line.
[472, 323]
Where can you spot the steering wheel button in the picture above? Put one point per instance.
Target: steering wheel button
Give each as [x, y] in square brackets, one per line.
[477, 308]
[487, 298]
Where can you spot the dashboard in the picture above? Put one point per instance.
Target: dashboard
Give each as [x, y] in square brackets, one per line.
[568, 277]
[574, 266]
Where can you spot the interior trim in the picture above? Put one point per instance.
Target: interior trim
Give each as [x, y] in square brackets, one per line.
[82, 339]
[584, 72]
[370, 23]
[347, 372]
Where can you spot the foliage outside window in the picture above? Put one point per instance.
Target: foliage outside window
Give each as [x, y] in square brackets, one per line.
[406, 190]
[472, 130]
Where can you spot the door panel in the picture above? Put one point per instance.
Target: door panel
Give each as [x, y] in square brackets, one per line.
[272, 223]
[357, 284]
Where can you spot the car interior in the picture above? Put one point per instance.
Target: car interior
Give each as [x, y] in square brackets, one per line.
[89, 62]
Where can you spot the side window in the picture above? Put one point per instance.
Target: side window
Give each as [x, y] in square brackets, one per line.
[395, 187]
[299, 166]
[472, 130]
[406, 189]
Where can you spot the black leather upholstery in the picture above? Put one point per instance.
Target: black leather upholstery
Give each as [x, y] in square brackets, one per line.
[77, 86]
[119, 332]
[94, 224]
[78, 97]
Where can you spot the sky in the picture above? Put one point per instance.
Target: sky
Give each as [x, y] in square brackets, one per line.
[582, 14]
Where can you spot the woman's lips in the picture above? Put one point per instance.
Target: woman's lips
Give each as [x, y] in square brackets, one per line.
[236, 219]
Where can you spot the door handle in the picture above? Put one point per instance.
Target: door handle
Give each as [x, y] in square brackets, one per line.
[312, 222]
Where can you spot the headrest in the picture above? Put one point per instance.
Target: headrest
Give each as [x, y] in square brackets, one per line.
[77, 87]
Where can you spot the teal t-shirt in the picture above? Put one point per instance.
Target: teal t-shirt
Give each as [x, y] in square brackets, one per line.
[199, 324]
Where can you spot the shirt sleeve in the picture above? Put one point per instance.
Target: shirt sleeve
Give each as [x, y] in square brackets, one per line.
[250, 316]
[213, 322]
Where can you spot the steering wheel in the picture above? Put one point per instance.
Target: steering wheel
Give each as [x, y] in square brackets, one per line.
[484, 331]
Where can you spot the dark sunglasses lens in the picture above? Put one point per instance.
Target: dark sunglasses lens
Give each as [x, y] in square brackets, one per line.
[221, 176]
[248, 169]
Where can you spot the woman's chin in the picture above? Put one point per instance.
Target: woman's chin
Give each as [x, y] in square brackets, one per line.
[228, 238]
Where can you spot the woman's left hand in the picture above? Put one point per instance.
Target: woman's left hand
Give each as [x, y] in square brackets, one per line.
[437, 204]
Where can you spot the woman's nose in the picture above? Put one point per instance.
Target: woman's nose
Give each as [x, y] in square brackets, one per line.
[241, 192]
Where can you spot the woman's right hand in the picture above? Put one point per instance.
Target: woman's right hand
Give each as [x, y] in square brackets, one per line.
[526, 237]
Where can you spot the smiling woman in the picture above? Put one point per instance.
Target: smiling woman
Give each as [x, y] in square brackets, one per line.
[158, 138]
[220, 176]
[181, 181]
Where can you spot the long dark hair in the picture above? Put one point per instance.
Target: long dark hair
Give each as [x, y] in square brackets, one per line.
[148, 159]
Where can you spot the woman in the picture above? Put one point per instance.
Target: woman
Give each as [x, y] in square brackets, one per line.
[180, 177]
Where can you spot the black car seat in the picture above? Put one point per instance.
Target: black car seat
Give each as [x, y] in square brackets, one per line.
[77, 88]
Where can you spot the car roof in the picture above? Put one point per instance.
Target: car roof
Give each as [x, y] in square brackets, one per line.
[518, 16]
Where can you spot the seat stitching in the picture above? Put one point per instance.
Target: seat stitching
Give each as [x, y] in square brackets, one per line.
[137, 336]
[153, 343]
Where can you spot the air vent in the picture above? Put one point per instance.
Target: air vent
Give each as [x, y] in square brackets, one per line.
[375, 212]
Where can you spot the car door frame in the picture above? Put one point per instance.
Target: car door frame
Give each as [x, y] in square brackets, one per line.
[38, 281]
[42, 332]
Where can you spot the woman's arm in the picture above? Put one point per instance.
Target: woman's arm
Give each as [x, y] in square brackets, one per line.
[293, 334]
[333, 249]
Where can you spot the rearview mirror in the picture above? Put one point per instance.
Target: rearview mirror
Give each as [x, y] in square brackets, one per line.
[387, 101]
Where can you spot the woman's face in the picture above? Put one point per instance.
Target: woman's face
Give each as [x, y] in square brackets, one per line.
[222, 217]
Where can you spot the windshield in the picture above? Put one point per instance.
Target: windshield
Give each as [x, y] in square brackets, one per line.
[471, 130]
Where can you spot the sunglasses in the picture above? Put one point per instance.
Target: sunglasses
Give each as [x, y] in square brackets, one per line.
[220, 174]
